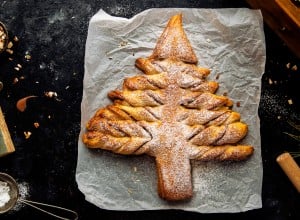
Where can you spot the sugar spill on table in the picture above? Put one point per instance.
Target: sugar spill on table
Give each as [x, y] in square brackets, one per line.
[275, 105]
[24, 191]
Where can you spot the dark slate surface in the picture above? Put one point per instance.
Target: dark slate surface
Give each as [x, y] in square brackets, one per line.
[54, 34]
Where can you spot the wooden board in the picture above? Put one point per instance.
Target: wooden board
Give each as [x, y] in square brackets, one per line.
[6, 144]
[291, 10]
[283, 17]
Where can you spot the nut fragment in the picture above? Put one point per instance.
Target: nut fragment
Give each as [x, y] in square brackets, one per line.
[123, 43]
[294, 68]
[27, 57]
[10, 45]
[27, 134]
[16, 39]
[270, 81]
[16, 80]
[50, 94]
[10, 51]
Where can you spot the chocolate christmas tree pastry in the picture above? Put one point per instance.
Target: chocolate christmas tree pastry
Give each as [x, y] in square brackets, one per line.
[171, 113]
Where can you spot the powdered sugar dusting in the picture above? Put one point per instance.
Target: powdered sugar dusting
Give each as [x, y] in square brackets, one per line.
[273, 103]
[24, 191]
[4, 193]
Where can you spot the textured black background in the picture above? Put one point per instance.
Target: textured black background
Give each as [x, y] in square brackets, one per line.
[54, 34]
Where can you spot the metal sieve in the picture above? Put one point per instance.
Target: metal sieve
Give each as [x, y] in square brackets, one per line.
[14, 198]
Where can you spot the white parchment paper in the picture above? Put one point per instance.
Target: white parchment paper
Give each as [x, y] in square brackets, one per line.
[228, 41]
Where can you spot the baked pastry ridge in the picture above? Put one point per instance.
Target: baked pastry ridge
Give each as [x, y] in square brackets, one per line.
[172, 113]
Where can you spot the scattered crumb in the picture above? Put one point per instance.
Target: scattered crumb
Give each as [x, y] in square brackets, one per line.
[225, 94]
[134, 169]
[27, 57]
[36, 124]
[50, 94]
[288, 65]
[217, 76]
[129, 191]
[16, 39]
[109, 57]
[123, 43]
[279, 117]
[27, 134]
[42, 66]
[294, 68]
[16, 80]
[10, 51]
[10, 45]
[238, 104]
[270, 81]
[208, 40]
[290, 101]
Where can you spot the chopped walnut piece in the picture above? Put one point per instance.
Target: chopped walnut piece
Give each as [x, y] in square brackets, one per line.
[270, 81]
[27, 57]
[16, 80]
[36, 124]
[50, 94]
[10, 45]
[16, 39]
[10, 51]
[27, 134]
[294, 68]
[123, 43]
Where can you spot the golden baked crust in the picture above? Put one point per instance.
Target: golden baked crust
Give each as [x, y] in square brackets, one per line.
[170, 113]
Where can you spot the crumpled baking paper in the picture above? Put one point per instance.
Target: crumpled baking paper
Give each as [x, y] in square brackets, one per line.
[228, 41]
